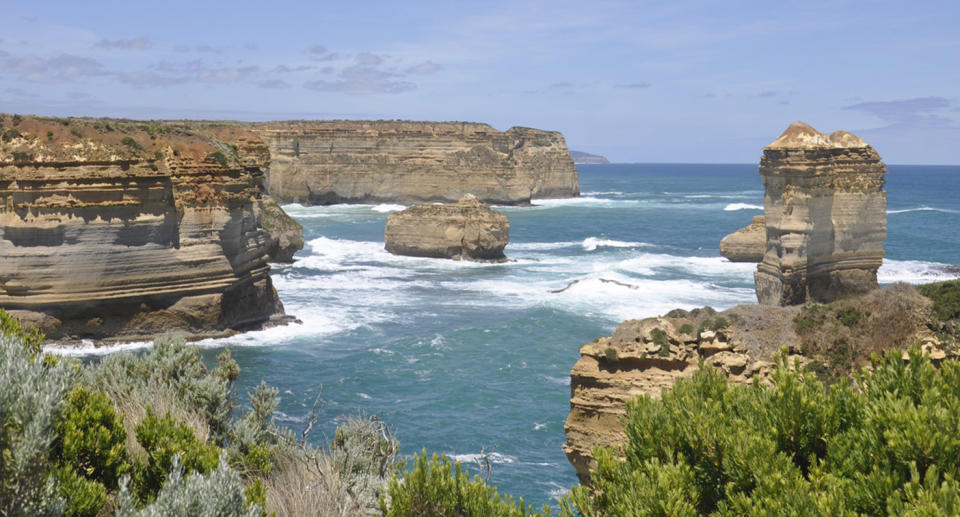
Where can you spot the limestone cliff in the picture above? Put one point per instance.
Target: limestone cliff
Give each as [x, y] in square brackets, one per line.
[826, 221]
[746, 244]
[120, 229]
[465, 230]
[411, 162]
[644, 357]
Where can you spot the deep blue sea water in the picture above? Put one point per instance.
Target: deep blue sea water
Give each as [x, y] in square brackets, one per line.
[460, 357]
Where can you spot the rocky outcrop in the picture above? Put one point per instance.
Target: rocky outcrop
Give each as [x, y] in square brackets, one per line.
[413, 162]
[825, 211]
[645, 357]
[465, 230]
[119, 229]
[746, 244]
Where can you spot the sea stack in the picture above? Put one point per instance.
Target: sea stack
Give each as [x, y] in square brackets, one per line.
[746, 244]
[826, 221]
[465, 230]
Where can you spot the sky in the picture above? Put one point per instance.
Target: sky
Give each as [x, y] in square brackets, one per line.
[635, 81]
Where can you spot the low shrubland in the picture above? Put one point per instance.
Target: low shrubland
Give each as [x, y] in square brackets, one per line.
[160, 433]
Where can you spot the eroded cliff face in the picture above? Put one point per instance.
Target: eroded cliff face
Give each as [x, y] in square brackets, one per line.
[826, 220]
[645, 357]
[112, 229]
[412, 162]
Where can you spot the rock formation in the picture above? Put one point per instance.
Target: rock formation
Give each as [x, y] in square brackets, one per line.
[644, 357]
[414, 162]
[465, 230]
[746, 244]
[115, 229]
[825, 211]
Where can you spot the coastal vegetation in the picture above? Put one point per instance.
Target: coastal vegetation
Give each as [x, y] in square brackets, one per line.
[160, 433]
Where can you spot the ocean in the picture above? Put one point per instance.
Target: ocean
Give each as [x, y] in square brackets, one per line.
[461, 357]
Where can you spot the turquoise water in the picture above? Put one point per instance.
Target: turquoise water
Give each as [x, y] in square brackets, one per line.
[460, 357]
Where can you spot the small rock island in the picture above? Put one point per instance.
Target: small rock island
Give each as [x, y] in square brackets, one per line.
[465, 230]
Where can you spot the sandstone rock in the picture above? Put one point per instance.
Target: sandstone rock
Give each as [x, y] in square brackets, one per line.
[746, 244]
[825, 212]
[613, 370]
[415, 162]
[465, 230]
[286, 233]
[132, 232]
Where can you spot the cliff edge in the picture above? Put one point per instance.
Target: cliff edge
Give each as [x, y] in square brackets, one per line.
[121, 229]
[328, 162]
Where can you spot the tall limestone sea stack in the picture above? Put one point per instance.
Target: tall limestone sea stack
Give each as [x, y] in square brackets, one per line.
[826, 221]
[324, 162]
[112, 229]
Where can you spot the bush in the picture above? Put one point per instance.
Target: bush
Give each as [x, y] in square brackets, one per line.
[31, 397]
[130, 143]
[10, 134]
[810, 317]
[946, 298]
[792, 448]
[164, 438]
[85, 498]
[435, 488]
[217, 157]
[849, 317]
[219, 493]
[92, 439]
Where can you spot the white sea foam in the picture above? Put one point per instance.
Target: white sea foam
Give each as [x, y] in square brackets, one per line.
[915, 271]
[88, 348]
[495, 458]
[741, 206]
[385, 208]
[592, 243]
[924, 209]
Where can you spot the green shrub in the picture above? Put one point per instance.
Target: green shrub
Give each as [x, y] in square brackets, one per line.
[849, 316]
[686, 328]
[809, 318]
[791, 448]
[130, 143]
[217, 157]
[162, 439]
[49, 135]
[10, 134]
[85, 497]
[17, 119]
[946, 298]
[659, 336]
[719, 323]
[437, 488]
[92, 438]
[217, 493]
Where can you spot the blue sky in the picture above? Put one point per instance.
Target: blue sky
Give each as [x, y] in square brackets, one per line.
[635, 81]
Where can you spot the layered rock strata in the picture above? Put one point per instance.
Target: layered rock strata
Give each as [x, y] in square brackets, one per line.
[465, 230]
[645, 357]
[112, 229]
[412, 162]
[826, 220]
[746, 244]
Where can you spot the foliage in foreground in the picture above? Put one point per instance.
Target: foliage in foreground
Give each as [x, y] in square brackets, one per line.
[437, 488]
[157, 434]
[792, 448]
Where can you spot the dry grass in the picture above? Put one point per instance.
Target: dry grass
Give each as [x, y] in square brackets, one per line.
[163, 399]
